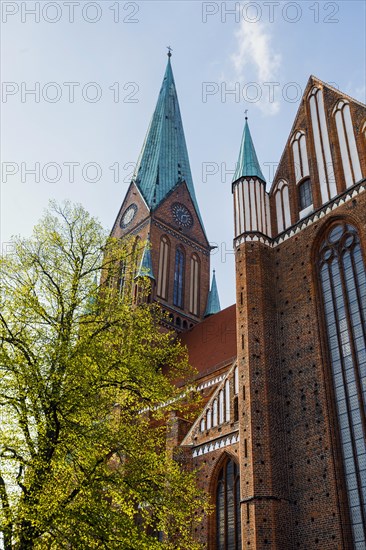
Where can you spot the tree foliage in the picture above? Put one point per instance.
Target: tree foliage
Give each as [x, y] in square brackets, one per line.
[83, 459]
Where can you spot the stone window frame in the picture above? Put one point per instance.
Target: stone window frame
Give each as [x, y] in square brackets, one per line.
[329, 252]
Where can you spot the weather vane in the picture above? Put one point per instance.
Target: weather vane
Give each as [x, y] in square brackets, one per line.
[169, 51]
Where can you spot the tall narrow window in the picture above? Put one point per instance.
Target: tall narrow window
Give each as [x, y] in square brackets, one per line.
[221, 407]
[227, 401]
[214, 413]
[343, 280]
[228, 532]
[236, 381]
[282, 206]
[162, 289]
[347, 143]
[179, 278]
[194, 289]
[305, 195]
[236, 408]
[209, 419]
[300, 155]
[122, 278]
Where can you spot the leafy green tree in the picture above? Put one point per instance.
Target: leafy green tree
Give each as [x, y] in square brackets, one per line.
[83, 455]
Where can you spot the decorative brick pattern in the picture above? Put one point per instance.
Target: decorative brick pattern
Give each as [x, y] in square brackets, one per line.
[293, 492]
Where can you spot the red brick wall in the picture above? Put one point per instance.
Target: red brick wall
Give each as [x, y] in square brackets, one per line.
[288, 414]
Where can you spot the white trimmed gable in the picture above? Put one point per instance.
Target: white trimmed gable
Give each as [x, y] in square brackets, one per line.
[220, 412]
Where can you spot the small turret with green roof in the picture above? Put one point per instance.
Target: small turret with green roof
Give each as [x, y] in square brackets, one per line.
[247, 165]
[251, 201]
[145, 268]
[213, 301]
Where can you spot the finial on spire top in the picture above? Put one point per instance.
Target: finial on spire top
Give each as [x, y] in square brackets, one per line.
[246, 112]
[169, 51]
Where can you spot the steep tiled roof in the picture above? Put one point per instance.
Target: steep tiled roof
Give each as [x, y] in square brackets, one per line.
[212, 343]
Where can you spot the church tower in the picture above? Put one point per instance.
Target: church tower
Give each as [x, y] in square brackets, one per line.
[161, 205]
[262, 503]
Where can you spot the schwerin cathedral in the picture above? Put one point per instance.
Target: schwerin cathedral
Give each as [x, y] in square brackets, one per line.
[280, 440]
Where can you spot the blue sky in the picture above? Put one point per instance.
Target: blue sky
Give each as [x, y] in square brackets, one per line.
[264, 53]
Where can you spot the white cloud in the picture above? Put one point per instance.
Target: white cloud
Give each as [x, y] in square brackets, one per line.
[255, 60]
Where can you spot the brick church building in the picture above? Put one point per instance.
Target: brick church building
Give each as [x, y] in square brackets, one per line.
[280, 441]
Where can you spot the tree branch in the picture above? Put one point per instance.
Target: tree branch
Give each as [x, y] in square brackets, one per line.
[7, 530]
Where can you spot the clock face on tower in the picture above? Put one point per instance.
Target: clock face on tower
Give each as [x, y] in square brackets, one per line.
[128, 215]
[181, 215]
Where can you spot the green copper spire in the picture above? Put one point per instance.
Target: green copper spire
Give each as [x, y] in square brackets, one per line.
[145, 269]
[213, 301]
[248, 164]
[163, 161]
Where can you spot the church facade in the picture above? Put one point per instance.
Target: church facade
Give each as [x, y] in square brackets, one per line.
[280, 440]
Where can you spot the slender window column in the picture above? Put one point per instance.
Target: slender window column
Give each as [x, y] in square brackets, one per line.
[343, 281]
[194, 287]
[178, 299]
[228, 527]
[162, 289]
[347, 143]
[227, 401]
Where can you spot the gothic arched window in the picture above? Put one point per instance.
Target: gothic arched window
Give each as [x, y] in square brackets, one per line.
[208, 419]
[178, 278]
[300, 155]
[343, 282]
[228, 532]
[194, 290]
[282, 206]
[162, 289]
